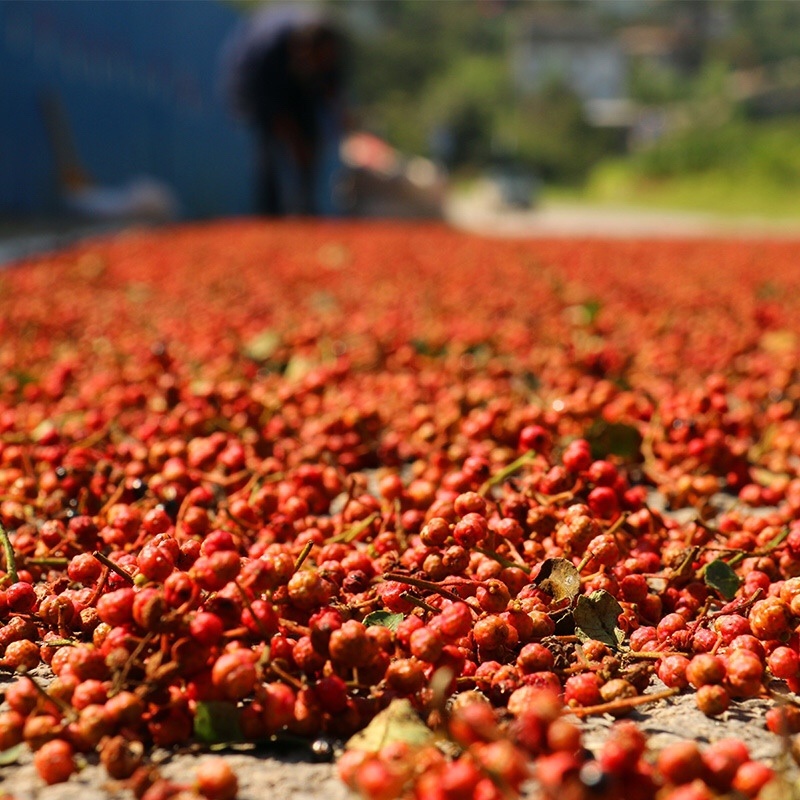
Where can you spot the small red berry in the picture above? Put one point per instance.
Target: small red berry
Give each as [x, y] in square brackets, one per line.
[54, 761]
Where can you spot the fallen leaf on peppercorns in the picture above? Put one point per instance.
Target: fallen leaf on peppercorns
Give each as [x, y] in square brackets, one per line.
[11, 756]
[614, 438]
[383, 618]
[596, 617]
[399, 722]
[559, 578]
[217, 722]
[721, 576]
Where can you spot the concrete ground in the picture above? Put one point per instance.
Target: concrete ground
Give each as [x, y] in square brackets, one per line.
[479, 211]
[295, 776]
[22, 238]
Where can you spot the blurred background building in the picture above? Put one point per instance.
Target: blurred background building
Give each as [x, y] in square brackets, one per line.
[685, 103]
[120, 94]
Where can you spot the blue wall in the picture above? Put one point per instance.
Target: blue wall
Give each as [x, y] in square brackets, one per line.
[139, 82]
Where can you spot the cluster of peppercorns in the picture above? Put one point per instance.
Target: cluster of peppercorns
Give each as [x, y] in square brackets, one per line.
[262, 509]
[484, 753]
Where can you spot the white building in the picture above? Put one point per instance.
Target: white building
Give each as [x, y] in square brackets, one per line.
[570, 50]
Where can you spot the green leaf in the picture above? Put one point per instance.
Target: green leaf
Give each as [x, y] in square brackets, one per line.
[23, 378]
[439, 684]
[262, 345]
[596, 617]
[591, 308]
[559, 578]
[780, 788]
[426, 348]
[383, 618]
[399, 722]
[766, 477]
[323, 302]
[721, 576]
[298, 367]
[216, 722]
[11, 756]
[614, 438]
[138, 292]
[778, 539]
[481, 352]
[564, 622]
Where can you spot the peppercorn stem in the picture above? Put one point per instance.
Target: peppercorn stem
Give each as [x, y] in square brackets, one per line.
[555, 499]
[617, 523]
[256, 619]
[351, 534]
[686, 564]
[584, 561]
[65, 708]
[48, 562]
[399, 530]
[303, 555]
[737, 607]
[415, 601]
[107, 562]
[101, 584]
[503, 561]
[122, 675]
[506, 472]
[295, 628]
[422, 584]
[223, 480]
[8, 551]
[741, 556]
[93, 438]
[624, 703]
[116, 494]
[285, 676]
[648, 655]
[236, 633]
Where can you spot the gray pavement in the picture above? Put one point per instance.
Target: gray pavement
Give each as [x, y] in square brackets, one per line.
[23, 238]
[266, 774]
[482, 211]
[479, 211]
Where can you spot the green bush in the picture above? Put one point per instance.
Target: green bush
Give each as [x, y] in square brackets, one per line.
[740, 167]
[739, 146]
[553, 138]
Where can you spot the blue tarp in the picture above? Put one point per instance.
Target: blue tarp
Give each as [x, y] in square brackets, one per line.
[139, 84]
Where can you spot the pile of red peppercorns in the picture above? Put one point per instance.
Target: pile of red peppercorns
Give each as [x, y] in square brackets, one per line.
[260, 481]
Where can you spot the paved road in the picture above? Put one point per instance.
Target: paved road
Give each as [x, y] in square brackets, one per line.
[22, 239]
[481, 212]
